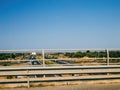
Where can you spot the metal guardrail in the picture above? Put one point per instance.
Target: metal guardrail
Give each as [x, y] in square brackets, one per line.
[53, 72]
[18, 68]
[93, 72]
[57, 79]
[104, 72]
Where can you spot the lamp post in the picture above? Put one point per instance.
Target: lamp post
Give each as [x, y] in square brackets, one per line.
[43, 57]
[107, 56]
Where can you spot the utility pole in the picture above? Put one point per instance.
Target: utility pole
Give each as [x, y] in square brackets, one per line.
[107, 56]
[43, 57]
[28, 79]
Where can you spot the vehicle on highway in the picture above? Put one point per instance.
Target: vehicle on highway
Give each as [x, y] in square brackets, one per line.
[34, 62]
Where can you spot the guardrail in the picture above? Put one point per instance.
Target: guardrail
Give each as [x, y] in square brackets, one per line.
[57, 73]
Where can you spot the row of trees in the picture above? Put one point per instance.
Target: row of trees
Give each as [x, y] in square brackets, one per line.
[88, 53]
[79, 54]
[5, 56]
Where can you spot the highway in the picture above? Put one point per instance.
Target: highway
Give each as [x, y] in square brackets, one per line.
[38, 71]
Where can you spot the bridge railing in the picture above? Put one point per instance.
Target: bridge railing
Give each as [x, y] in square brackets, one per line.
[47, 74]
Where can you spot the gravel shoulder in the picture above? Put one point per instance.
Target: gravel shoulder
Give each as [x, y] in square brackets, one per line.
[115, 86]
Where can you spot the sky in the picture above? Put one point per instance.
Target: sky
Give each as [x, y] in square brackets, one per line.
[43, 24]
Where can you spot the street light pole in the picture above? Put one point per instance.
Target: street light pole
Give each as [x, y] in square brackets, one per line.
[107, 56]
[43, 57]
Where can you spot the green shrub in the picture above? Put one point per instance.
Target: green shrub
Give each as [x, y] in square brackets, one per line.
[6, 64]
[9, 77]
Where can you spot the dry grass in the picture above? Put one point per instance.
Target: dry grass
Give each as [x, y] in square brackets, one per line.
[44, 84]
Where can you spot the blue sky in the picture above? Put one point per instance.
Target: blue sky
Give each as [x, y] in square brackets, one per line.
[36, 24]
